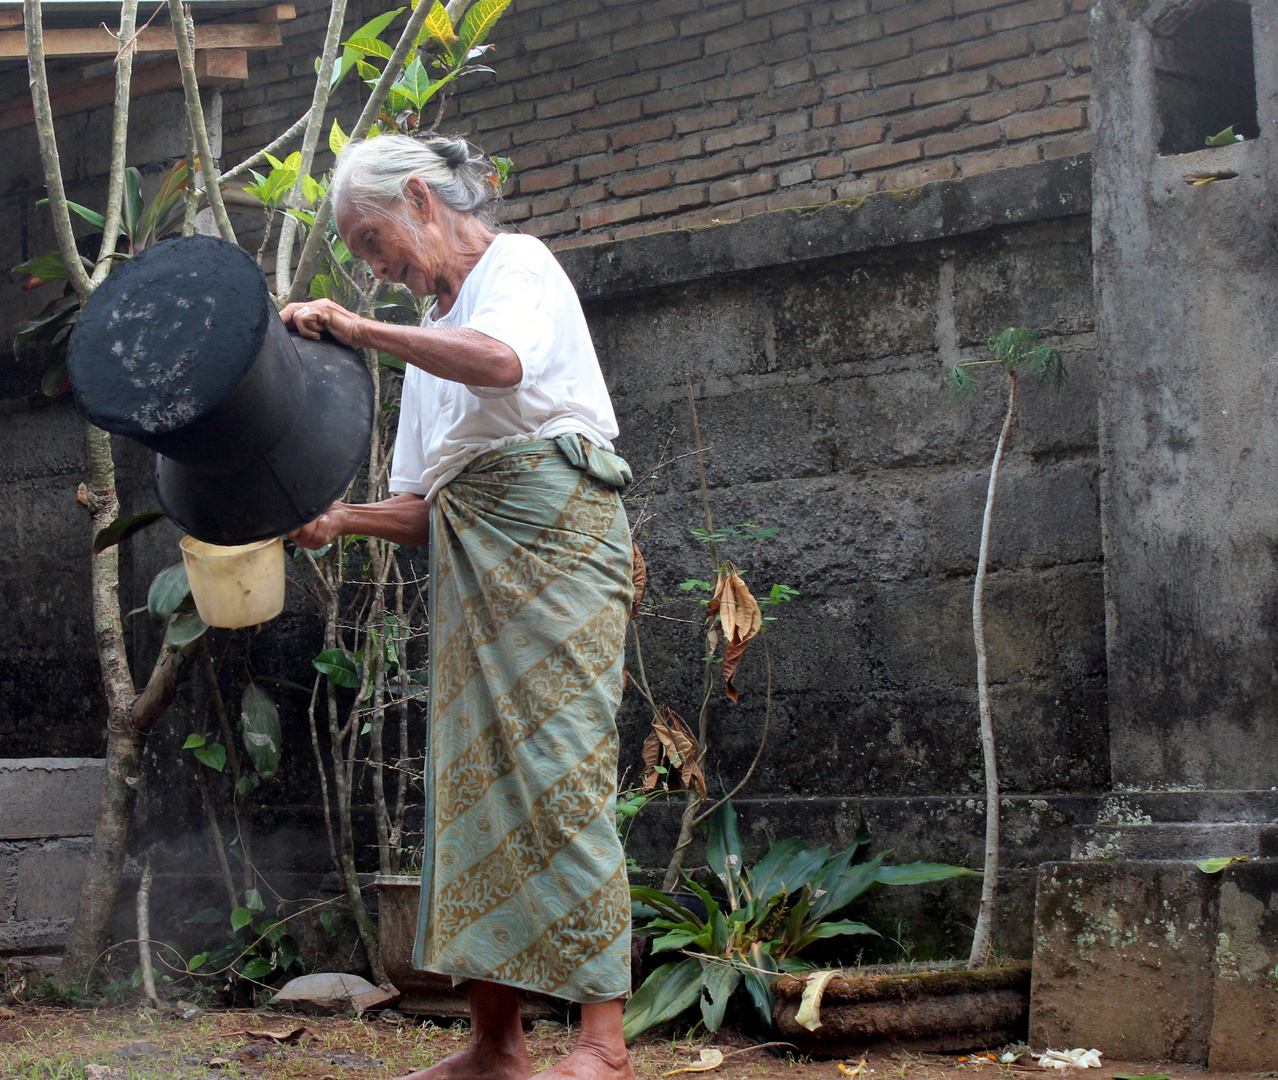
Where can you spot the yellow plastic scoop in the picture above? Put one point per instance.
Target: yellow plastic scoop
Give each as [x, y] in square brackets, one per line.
[235, 586]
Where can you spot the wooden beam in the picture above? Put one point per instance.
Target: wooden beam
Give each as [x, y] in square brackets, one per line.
[275, 13]
[10, 18]
[96, 41]
[219, 67]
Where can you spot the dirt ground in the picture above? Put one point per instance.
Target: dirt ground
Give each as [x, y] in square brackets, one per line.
[132, 1044]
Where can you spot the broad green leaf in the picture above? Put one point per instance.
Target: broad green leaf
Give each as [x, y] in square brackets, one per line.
[367, 72]
[339, 667]
[371, 29]
[478, 23]
[125, 526]
[503, 165]
[48, 265]
[192, 741]
[91, 216]
[260, 729]
[787, 866]
[1224, 138]
[172, 188]
[723, 848]
[133, 205]
[253, 901]
[415, 82]
[759, 987]
[718, 982]
[659, 901]
[918, 872]
[240, 918]
[258, 968]
[168, 589]
[438, 27]
[845, 888]
[369, 46]
[1215, 866]
[326, 921]
[833, 929]
[184, 628]
[312, 189]
[206, 915]
[213, 756]
[337, 138]
[52, 318]
[322, 286]
[665, 993]
[198, 960]
[55, 377]
[675, 939]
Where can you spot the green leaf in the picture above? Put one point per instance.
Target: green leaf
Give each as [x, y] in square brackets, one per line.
[312, 189]
[1215, 866]
[391, 363]
[322, 286]
[253, 901]
[415, 82]
[91, 216]
[52, 319]
[665, 993]
[206, 915]
[240, 918]
[478, 23]
[260, 729]
[125, 526]
[723, 848]
[192, 741]
[340, 668]
[503, 165]
[326, 921]
[133, 205]
[337, 138]
[832, 929]
[184, 628]
[258, 968]
[1224, 138]
[168, 589]
[718, 983]
[918, 872]
[438, 27]
[759, 987]
[55, 378]
[198, 960]
[371, 29]
[660, 902]
[962, 384]
[172, 189]
[675, 939]
[369, 46]
[48, 265]
[214, 756]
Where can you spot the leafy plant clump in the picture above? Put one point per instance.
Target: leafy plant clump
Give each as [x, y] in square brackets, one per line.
[768, 915]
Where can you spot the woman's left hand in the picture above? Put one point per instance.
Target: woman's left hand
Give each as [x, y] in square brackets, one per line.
[314, 317]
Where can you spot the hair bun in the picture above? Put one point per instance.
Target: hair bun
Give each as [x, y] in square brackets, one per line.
[455, 152]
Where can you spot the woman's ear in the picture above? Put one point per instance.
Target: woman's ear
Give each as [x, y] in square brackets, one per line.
[418, 195]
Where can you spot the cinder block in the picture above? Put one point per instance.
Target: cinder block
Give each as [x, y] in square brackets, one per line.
[48, 797]
[1244, 1030]
[49, 878]
[1123, 957]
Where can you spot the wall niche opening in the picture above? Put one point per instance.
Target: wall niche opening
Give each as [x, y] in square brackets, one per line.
[1205, 76]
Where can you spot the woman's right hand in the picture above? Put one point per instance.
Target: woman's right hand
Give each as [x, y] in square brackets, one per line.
[323, 530]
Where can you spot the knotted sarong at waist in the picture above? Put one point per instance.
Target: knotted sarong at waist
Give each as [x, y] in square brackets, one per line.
[523, 877]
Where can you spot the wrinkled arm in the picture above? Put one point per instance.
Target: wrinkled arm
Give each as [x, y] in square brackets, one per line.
[401, 519]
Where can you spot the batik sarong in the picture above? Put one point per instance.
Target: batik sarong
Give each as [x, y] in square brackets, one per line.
[523, 877]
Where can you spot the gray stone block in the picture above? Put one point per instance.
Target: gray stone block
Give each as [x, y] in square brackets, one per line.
[49, 797]
[49, 876]
[1244, 1030]
[1123, 957]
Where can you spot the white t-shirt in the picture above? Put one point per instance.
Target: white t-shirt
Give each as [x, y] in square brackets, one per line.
[518, 294]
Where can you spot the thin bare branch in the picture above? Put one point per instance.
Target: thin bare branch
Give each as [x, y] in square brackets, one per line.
[119, 140]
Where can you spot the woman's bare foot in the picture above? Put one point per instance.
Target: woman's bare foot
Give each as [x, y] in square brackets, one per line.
[495, 1049]
[600, 1053]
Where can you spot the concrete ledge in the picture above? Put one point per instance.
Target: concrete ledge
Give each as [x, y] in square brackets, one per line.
[48, 797]
[1039, 192]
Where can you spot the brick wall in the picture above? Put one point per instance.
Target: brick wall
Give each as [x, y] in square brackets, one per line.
[626, 118]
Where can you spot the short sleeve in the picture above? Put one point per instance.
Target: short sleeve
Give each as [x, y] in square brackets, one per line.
[408, 463]
[514, 310]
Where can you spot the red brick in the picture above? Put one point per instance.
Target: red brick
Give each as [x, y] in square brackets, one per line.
[795, 98]
[514, 211]
[737, 136]
[506, 116]
[795, 71]
[915, 69]
[847, 82]
[641, 183]
[918, 175]
[1045, 122]
[992, 50]
[540, 87]
[865, 134]
[561, 106]
[852, 33]
[949, 33]
[800, 173]
[611, 213]
[966, 7]
[616, 89]
[667, 52]
[619, 112]
[830, 167]
[492, 96]
[545, 179]
[663, 103]
[750, 33]
[1053, 35]
[997, 106]
[532, 158]
[707, 118]
[1026, 14]
[875, 53]
[1008, 158]
[842, 10]
[583, 195]
[660, 153]
[707, 21]
[574, 54]
[566, 9]
[674, 200]
[789, 23]
[546, 39]
[917, 14]
[549, 226]
[957, 141]
[956, 86]
[768, 7]
[883, 155]
[1019, 71]
[825, 116]
[792, 123]
[603, 23]
[1068, 147]
[646, 33]
[889, 101]
[796, 146]
[715, 215]
[708, 169]
[697, 71]
[550, 204]
[605, 165]
[1080, 86]
[565, 242]
[924, 123]
[649, 131]
[858, 189]
[742, 186]
[1081, 60]
[605, 70]
[736, 86]
[789, 200]
[579, 146]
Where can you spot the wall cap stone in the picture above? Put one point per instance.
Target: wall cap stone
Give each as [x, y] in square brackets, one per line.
[1038, 192]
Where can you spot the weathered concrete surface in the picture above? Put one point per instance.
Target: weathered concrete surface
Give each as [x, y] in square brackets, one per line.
[1187, 281]
[48, 797]
[1244, 1031]
[1123, 957]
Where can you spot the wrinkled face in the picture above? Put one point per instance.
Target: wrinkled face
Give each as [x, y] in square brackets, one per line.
[402, 247]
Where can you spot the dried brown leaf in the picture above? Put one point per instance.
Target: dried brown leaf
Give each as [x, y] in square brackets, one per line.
[741, 620]
[289, 1036]
[651, 759]
[689, 771]
[640, 577]
[732, 653]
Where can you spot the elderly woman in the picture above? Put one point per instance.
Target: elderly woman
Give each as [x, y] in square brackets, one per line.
[504, 464]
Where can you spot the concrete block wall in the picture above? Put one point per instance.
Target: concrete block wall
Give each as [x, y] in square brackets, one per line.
[626, 118]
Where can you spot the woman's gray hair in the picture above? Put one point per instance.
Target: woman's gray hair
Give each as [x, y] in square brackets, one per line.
[370, 175]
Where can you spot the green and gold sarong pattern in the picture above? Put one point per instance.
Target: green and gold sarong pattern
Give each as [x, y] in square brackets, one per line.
[523, 877]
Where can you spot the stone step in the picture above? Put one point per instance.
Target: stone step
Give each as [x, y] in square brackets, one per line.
[1149, 807]
[1167, 840]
